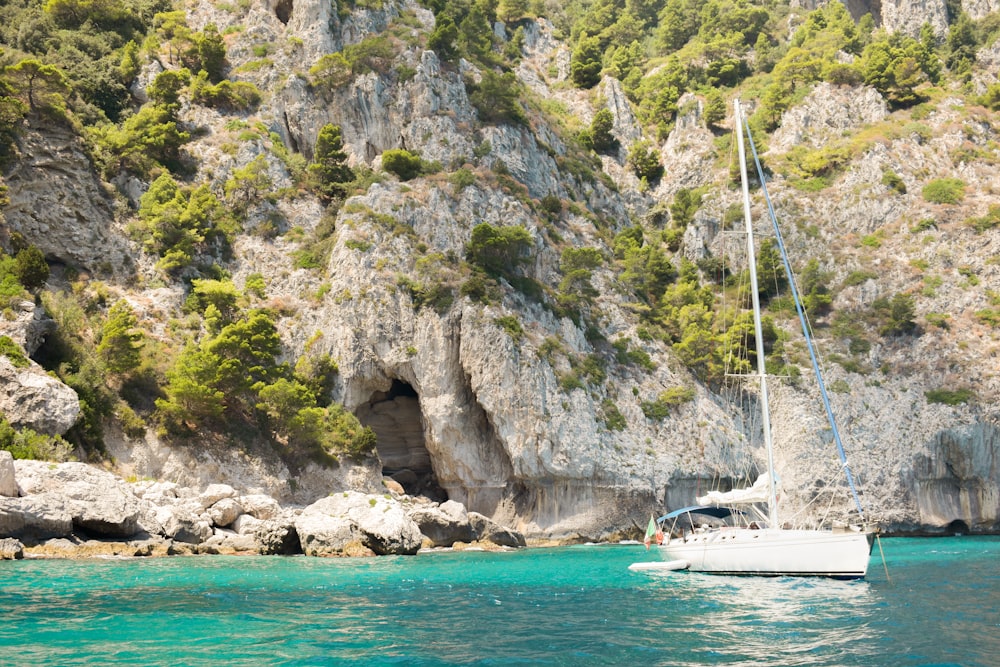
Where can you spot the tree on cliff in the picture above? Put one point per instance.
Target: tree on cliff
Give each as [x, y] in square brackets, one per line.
[329, 167]
[121, 339]
[41, 85]
[498, 250]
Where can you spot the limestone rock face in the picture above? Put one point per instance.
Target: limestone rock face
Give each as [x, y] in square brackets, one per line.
[826, 114]
[58, 203]
[264, 477]
[907, 16]
[99, 502]
[977, 9]
[228, 542]
[30, 397]
[956, 479]
[29, 326]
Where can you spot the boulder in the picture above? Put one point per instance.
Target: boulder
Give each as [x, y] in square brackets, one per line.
[393, 486]
[260, 506]
[99, 502]
[246, 524]
[443, 524]
[224, 512]
[213, 493]
[11, 549]
[324, 535]
[276, 537]
[487, 530]
[382, 522]
[157, 493]
[39, 516]
[183, 525]
[8, 485]
[31, 398]
[224, 541]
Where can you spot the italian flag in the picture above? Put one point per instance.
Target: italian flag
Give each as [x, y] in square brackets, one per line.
[652, 533]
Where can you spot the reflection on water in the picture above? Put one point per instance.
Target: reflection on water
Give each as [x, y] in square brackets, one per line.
[747, 620]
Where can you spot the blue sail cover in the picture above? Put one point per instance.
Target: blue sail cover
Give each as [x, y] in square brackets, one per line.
[715, 512]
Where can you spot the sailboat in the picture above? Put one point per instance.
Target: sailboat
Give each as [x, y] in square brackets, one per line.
[757, 542]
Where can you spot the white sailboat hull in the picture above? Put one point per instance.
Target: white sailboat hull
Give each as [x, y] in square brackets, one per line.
[745, 551]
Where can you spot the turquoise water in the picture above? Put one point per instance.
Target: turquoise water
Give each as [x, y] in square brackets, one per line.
[563, 606]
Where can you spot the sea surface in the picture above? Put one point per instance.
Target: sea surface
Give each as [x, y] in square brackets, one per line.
[939, 605]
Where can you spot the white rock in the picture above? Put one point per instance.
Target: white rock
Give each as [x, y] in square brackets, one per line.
[260, 506]
[30, 397]
[324, 535]
[8, 485]
[224, 512]
[213, 493]
[246, 524]
[99, 502]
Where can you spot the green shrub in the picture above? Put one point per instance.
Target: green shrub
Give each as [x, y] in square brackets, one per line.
[511, 325]
[624, 354]
[498, 250]
[497, 98]
[988, 221]
[481, 289]
[686, 203]
[331, 71]
[949, 396]
[859, 278]
[570, 381]
[402, 163]
[462, 178]
[13, 352]
[644, 161]
[240, 96]
[613, 419]
[601, 137]
[892, 181]
[896, 314]
[659, 409]
[944, 191]
[31, 267]
[585, 62]
[27, 444]
[373, 54]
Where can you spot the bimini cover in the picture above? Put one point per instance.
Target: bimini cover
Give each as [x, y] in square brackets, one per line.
[758, 493]
[716, 512]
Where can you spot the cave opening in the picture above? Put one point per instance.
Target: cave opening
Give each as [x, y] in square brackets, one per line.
[398, 423]
[957, 527]
[283, 10]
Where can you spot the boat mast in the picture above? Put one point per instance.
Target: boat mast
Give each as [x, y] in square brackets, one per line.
[772, 501]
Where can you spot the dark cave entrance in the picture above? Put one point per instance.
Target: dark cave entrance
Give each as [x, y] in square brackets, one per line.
[957, 527]
[395, 417]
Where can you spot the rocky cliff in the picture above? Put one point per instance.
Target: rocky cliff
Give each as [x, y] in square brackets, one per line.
[466, 409]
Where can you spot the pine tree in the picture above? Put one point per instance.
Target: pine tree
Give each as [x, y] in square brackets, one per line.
[329, 167]
[121, 340]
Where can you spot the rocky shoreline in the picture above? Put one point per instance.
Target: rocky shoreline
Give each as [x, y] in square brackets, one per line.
[74, 510]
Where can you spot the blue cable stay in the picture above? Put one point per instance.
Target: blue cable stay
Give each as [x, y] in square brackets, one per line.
[805, 326]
